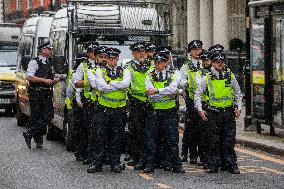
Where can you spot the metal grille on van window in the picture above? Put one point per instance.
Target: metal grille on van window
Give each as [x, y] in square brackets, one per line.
[6, 85]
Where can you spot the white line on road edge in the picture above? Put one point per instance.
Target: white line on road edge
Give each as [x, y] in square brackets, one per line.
[162, 185]
[261, 156]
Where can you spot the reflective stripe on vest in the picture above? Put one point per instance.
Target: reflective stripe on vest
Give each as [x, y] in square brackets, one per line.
[113, 99]
[138, 87]
[165, 102]
[220, 95]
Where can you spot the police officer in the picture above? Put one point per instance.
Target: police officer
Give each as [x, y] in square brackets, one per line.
[161, 87]
[101, 61]
[139, 69]
[81, 81]
[206, 63]
[150, 50]
[74, 105]
[41, 78]
[191, 135]
[112, 83]
[224, 93]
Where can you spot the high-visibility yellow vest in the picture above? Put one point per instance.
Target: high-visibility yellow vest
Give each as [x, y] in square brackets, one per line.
[137, 87]
[203, 72]
[113, 99]
[191, 73]
[165, 102]
[221, 93]
[88, 92]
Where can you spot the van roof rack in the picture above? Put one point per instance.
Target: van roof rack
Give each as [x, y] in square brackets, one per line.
[119, 17]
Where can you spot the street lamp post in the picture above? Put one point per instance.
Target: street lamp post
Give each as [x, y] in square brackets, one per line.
[248, 116]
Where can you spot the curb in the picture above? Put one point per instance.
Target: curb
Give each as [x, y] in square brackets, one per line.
[262, 147]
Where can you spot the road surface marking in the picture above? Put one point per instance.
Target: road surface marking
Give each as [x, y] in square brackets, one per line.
[145, 176]
[273, 170]
[162, 185]
[261, 156]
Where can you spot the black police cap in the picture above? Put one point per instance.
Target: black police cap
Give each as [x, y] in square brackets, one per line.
[204, 54]
[218, 57]
[101, 50]
[139, 46]
[44, 45]
[216, 48]
[165, 49]
[150, 47]
[92, 46]
[159, 56]
[112, 52]
[194, 44]
[81, 56]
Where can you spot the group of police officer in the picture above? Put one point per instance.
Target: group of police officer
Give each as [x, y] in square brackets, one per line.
[145, 91]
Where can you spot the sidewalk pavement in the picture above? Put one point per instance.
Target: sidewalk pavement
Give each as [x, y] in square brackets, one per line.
[263, 141]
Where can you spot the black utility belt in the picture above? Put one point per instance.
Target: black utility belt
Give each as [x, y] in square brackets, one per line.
[40, 88]
[218, 109]
[105, 108]
[174, 110]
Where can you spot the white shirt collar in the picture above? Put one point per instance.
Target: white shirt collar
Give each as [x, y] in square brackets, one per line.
[215, 72]
[42, 58]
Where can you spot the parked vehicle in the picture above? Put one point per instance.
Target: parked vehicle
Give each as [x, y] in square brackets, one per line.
[112, 23]
[9, 40]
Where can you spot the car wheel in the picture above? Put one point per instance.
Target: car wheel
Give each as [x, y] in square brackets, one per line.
[20, 117]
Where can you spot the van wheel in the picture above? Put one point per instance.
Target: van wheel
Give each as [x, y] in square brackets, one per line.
[51, 133]
[20, 117]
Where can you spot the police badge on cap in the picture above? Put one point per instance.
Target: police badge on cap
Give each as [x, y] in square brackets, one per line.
[113, 52]
[216, 48]
[140, 46]
[150, 47]
[218, 57]
[194, 44]
[204, 54]
[44, 45]
[165, 49]
[160, 57]
[101, 50]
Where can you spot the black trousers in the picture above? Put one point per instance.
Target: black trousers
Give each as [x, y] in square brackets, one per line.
[137, 125]
[221, 138]
[170, 130]
[42, 112]
[192, 132]
[87, 148]
[108, 122]
[78, 132]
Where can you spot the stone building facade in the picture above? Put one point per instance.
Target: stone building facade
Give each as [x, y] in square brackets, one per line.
[212, 21]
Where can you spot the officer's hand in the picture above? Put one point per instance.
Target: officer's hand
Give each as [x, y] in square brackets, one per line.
[203, 114]
[80, 105]
[48, 81]
[56, 80]
[238, 113]
[151, 91]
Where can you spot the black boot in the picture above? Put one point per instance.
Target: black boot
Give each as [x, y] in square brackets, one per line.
[28, 139]
[140, 165]
[234, 170]
[148, 169]
[178, 170]
[94, 168]
[116, 169]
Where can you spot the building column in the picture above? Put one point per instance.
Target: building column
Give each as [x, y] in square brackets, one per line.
[206, 23]
[220, 23]
[192, 20]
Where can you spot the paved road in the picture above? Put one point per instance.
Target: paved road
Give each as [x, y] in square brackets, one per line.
[53, 167]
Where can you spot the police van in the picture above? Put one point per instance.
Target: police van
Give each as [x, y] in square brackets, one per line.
[34, 32]
[9, 40]
[112, 23]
